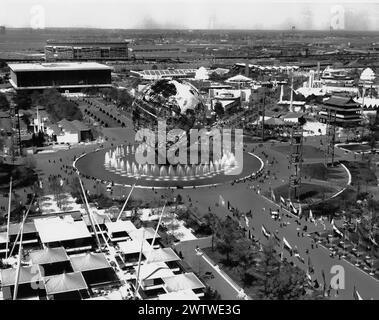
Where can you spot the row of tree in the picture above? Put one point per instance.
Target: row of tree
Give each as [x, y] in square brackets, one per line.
[121, 97]
[258, 267]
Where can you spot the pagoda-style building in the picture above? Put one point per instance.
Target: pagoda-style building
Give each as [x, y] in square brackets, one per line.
[340, 112]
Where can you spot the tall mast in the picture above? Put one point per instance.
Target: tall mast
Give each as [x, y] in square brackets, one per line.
[139, 264]
[151, 250]
[18, 262]
[126, 201]
[9, 216]
[23, 221]
[21, 233]
[89, 214]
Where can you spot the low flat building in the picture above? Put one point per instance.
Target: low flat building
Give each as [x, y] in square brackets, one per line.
[168, 73]
[56, 50]
[63, 76]
[72, 235]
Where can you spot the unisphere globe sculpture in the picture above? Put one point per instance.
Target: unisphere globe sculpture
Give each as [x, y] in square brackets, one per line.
[180, 105]
[177, 102]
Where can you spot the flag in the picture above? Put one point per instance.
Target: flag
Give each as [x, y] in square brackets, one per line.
[276, 238]
[293, 207]
[335, 229]
[287, 246]
[372, 239]
[282, 200]
[311, 216]
[300, 210]
[221, 201]
[265, 232]
[247, 221]
[273, 195]
[356, 294]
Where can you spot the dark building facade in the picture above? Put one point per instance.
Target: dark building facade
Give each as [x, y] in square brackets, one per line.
[65, 76]
[85, 50]
[340, 111]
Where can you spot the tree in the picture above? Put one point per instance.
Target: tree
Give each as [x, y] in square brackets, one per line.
[279, 280]
[58, 107]
[56, 188]
[124, 99]
[228, 233]
[219, 109]
[211, 220]
[22, 100]
[211, 294]
[4, 103]
[76, 190]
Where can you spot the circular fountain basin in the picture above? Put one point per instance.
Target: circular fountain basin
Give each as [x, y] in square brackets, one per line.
[118, 165]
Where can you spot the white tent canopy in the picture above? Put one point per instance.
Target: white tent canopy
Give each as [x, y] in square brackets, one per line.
[239, 78]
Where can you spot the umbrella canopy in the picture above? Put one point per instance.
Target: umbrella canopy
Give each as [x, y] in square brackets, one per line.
[90, 261]
[48, 256]
[27, 275]
[239, 78]
[65, 282]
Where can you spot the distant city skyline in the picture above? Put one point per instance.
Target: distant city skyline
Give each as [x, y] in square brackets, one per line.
[191, 14]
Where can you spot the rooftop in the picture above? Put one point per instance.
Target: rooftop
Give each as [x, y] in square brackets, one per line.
[57, 229]
[120, 226]
[89, 261]
[48, 255]
[133, 246]
[142, 233]
[154, 271]
[180, 295]
[161, 255]
[27, 275]
[183, 281]
[65, 282]
[86, 41]
[57, 66]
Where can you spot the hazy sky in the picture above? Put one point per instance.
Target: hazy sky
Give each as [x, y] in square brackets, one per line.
[189, 14]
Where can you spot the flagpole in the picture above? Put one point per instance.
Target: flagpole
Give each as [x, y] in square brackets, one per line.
[9, 217]
[344, 243]
[356, 260]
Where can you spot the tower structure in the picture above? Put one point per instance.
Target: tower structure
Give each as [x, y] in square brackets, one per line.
[296, 160]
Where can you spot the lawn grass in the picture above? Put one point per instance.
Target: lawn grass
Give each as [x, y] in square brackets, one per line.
[361, 174]
[320, 172]
[218, 259]
[22, 176]
[308, 191]
[309, 152]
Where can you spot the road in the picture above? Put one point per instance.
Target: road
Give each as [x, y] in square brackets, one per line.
[243, 197]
